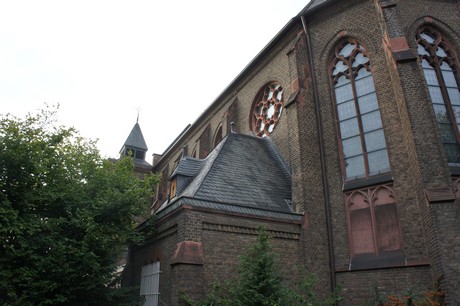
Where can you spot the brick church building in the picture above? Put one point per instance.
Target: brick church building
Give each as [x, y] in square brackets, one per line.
[341, 137]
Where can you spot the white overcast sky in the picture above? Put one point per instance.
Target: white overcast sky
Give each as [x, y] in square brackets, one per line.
[104, 60]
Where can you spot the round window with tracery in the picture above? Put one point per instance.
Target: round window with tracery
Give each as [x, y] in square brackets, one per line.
[267, 109]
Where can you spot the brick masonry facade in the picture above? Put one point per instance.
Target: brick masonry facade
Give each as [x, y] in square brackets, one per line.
[307, 138]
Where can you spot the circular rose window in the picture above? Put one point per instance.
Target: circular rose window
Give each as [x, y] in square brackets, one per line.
[266, 110]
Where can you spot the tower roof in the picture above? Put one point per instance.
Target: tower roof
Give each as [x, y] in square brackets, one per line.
[136, 139]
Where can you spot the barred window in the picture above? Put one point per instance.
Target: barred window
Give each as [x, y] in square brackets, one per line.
[362, 141]
[150, 284]
[442, 78]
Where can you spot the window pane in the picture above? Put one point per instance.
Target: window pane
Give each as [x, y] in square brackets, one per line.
[346, 110]
[448, 75]
[435, 94]
[362, 73]
[421, 50]
[430, 76]
[440, 52]
[364, 85]
[360, 59]
[339, 67]
[425, 64]
[352, 147]
[368, 103]
[343, 93]
[371, 121]
[454, 96]
[355, 166]
[347, 49]
[447, 133]
[456, 110]
[378, 162]
[441, 113]
[452, 152]
[349, 128]
[374, 140]
[427, 36]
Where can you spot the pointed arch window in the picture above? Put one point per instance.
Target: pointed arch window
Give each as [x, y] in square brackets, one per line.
[363, 147]
[218, 136]
[441, 73]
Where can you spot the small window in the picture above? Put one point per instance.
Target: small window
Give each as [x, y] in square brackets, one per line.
[442, 79]
[150, 284]
[266, 109]
[363, 147]
[139, 154]
[172, 189]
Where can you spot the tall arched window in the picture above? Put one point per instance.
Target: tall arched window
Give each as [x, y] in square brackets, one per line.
[442, 78]
[363, 147]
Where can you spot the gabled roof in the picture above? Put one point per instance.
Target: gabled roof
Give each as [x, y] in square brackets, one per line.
[243, 174]
[136, 139]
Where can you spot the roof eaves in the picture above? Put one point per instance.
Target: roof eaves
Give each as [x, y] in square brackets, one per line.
[229, 208]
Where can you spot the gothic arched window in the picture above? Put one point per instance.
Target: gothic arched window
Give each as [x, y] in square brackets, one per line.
[441, 75]
[363, 147]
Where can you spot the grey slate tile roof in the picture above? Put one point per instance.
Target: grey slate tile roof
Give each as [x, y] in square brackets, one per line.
[136, 139]
[243, 174]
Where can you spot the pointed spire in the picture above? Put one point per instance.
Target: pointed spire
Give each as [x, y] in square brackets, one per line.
[135, 143]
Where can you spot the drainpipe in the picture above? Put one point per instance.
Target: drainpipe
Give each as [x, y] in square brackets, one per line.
[322, 156]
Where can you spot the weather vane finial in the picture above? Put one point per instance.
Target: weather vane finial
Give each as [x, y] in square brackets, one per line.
[138, 111]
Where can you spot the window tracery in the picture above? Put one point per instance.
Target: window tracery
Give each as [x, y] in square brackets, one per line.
[373, 222]
[266, 110]
[363, 147]
[441, 75]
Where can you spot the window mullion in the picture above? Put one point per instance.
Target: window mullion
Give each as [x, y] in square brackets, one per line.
[360, 123]
[445, 95]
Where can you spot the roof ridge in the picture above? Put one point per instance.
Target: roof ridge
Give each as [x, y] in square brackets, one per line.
[275, 154]
[208, 163]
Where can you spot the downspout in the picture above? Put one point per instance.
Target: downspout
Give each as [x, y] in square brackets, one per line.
[322, 156]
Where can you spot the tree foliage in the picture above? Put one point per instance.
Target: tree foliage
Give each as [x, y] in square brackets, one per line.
[259, 284]
[65, 213]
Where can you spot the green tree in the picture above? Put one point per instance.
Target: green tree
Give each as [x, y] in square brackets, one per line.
[258, 282]
[66, 214]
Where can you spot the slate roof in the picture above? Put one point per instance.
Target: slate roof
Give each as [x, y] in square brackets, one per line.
[313, 4]
[136, 139]
[243, 174]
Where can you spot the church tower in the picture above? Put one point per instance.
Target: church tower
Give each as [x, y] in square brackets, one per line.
[136, 147]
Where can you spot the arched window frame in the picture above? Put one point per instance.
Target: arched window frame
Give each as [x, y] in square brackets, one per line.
[266, 109]
[361, 155]
[218, 136]
[441, 71]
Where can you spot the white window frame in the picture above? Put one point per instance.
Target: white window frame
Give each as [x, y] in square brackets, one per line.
[150, 284]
